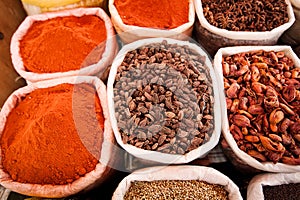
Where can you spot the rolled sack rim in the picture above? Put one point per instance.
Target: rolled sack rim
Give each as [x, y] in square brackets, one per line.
[183, 172]
[155, 156]
[255, 187]
[58, 191]
[249, 160]
[97, 68]
[274, 34]
[149, 32]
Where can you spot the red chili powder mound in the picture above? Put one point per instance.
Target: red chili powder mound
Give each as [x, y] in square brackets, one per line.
[53, 135]
[63, 44]
[161, 14]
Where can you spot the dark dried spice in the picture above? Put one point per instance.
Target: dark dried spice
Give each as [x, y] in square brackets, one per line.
[286, 191]
[240, 15]
[162, 100]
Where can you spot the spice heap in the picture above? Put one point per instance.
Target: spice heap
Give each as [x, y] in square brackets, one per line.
[263, 104]
[286, 191]
[63, 44]
[57, 138]
[164, 99]
[161, 14]
[240, 15]
[175, 189]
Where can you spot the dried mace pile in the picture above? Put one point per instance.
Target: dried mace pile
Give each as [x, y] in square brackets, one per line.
[175, 189]
[239, 15]
[164, 99]
[263, 104]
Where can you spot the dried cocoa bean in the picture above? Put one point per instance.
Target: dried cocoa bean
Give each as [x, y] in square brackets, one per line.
[161, 89]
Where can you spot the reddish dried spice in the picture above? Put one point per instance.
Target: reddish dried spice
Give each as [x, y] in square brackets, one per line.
[162, 14]
[63, 44]
[57, 137]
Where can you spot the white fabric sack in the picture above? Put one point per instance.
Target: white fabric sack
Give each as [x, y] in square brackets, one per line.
[243, 35]
[212, 38]
[265, 166]
[102, 170]
[296, 3]
[184, 172]
[131, 33]
[154, 155]
[291, 36]
[97, 69]
[255, 187]
[34, 7]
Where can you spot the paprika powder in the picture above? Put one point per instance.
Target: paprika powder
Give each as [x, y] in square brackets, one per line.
[63, 44]
[53, 135]
[160, 14]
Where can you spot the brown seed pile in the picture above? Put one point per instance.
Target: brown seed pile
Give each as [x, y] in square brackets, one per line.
[286, 191]
[175, 189]
[263, 104]
[240, 15]
[164, 98]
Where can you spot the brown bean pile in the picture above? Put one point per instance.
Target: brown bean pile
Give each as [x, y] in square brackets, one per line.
[164, 98]
[240, 15]
[286, 191]
[263, 104]
[175, 189]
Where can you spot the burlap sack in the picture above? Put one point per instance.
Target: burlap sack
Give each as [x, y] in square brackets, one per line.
[154, 155]
[97, 69]
[255, 187]
[241, 155]
[184, 172]
[34, 7]
[130, 33]
[91, 179]
[212, 38]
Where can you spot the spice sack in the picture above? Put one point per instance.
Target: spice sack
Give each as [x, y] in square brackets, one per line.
[65, 43]
[260, 113]
[227, 23]
[163, 100]
[34, 7]
[135, 20]
[255, 190]
[63, 141]
[178, 173]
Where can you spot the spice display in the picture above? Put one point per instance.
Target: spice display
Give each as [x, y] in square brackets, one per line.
[164, 99]
[161, 14]
[57, 137]
[238, 15]
[63, 44]
[262, 97]
[175, 189]
[286, 191]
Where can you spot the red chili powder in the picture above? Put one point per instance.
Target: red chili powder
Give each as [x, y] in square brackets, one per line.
[63, 44]
[161, 14]
[54, 135]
